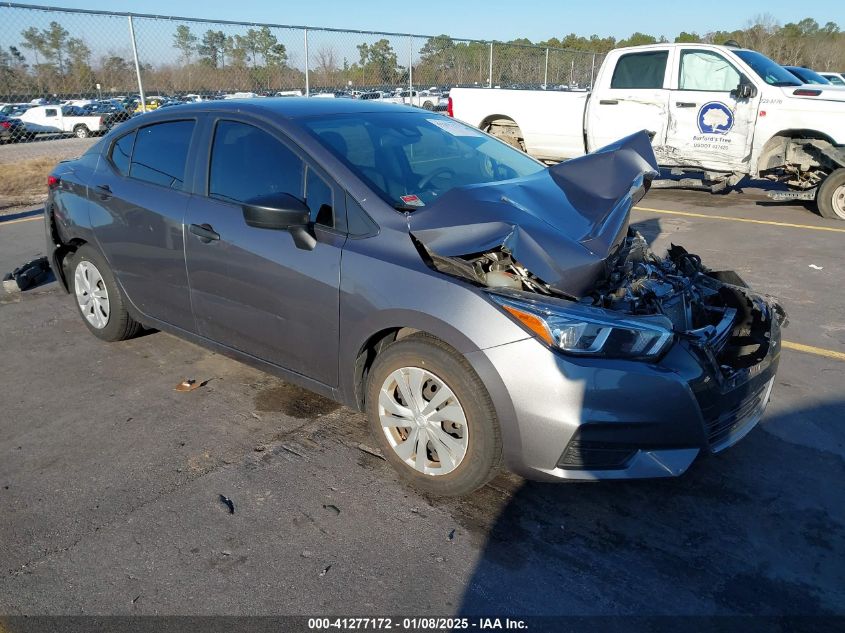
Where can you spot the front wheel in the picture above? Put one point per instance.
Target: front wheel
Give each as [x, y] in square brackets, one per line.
[98, 297]
[432, 417]
[81, 131]
[831, 196]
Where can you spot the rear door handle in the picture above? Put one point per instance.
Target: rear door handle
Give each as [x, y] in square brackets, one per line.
[608, 102]
[205, 233]
[104, 191]
[684, 104]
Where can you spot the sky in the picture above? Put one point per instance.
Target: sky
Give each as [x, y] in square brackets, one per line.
[488, 19]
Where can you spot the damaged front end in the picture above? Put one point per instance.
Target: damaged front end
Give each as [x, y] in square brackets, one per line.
[563, 235]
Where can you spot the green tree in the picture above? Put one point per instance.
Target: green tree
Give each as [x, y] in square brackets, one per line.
[688, 38]
[185, 42]
[212, 47]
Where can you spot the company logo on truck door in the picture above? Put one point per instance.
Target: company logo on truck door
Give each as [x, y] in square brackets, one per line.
[715, 118]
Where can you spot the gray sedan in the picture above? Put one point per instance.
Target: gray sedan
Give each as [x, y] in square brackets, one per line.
[482, 308]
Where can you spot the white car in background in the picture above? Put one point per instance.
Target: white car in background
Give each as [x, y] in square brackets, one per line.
[837, 79]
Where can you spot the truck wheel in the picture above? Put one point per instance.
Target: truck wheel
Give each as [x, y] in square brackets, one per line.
[508, 131]
[432, 417]
[831, 196]
[428, 105]
[81, 131]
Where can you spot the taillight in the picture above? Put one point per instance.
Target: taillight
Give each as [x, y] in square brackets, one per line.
[53, 181]
[807, 92]
[449, 108]
[5, 124]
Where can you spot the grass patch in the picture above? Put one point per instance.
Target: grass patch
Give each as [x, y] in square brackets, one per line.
[25, 182]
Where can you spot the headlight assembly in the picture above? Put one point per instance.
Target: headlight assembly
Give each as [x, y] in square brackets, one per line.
[584, 332]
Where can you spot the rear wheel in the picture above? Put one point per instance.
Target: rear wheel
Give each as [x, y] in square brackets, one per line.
[508, 131]
[831, 196]
[428, 105]
[432, 417]
[98, 297]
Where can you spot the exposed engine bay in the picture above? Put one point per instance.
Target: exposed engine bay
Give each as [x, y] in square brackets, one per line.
[714, 310]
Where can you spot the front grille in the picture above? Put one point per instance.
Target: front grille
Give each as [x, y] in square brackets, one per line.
[731, 413]
[590, 455]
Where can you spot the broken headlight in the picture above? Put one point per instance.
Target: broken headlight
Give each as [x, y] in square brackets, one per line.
[584, 332]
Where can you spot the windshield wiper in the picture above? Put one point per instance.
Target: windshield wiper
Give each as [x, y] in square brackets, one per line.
[404, 207]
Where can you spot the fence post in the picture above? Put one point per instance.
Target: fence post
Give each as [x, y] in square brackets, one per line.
[137, 65]
[307, 79]
[490, 68]
[592, 71]
[546, 71]
[411, 67]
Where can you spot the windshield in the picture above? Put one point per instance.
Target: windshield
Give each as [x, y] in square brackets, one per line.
[808, 76]
[770, 72]
[410, 158]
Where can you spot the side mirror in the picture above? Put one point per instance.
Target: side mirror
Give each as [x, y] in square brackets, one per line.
[282, 212]
[745, 89]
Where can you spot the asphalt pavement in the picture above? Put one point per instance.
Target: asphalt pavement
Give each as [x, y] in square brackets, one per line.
[110, 480]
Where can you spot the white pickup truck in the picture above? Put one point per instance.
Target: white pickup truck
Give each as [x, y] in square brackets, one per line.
[53, 119]
[720, 111]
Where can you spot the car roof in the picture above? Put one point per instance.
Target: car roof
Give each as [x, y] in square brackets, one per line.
[291, 107]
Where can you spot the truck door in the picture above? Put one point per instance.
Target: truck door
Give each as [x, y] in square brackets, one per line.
[709, 127]
[636, 98]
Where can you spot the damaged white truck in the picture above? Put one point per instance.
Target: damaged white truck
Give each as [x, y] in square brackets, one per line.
[717, 112]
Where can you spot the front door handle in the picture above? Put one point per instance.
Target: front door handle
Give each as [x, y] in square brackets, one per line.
[608, 101]
[684, 104]
[104, 191]
[205, 233]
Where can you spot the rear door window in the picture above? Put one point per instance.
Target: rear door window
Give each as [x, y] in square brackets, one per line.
[640, 71]
[121, 153]
[161, 153]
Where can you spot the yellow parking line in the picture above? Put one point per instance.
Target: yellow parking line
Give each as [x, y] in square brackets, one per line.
[32, 219]
[809, 349]
[748, 220]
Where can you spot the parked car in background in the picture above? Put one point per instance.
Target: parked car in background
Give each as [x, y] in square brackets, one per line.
[15, 109]
[375, 95]
[837, 79]
[63, 119]
[11, 130]
[718, 113]
[807, 76]
[152, 103]
[482, 308]
[289, 93]
[112, 109]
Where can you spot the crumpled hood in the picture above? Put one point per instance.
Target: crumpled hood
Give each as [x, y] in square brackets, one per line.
[561, 224]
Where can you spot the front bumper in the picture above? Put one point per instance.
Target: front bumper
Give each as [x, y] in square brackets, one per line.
[574, 418]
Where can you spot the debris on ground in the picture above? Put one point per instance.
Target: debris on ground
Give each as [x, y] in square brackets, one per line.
[226, 552]
[452, 534]
[27, 276]
[307, 554]
[228, 503]
[370, 451]
[325, 571]
[136, 598]
[260, 448]
[331, 507]
[291, 450]
[814, 267]
[187, 385]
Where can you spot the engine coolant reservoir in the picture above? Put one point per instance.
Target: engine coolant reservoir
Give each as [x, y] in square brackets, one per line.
[501, 279]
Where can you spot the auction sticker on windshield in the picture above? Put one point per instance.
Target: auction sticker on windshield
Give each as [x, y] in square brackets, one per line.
[412, 200]
[454, 128]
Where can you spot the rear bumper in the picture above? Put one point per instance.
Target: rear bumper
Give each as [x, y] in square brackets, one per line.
[571, 418]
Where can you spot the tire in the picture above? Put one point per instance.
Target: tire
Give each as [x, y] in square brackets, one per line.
[107, 320]
[81, 131]
[472, 452]
[428, 105]
[830, 198]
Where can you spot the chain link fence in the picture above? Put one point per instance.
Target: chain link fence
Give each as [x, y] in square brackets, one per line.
[58, 65]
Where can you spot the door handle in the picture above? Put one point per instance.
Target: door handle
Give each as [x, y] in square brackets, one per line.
[684, 104]
[608, 102]
[104, 191]
[205, 233]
